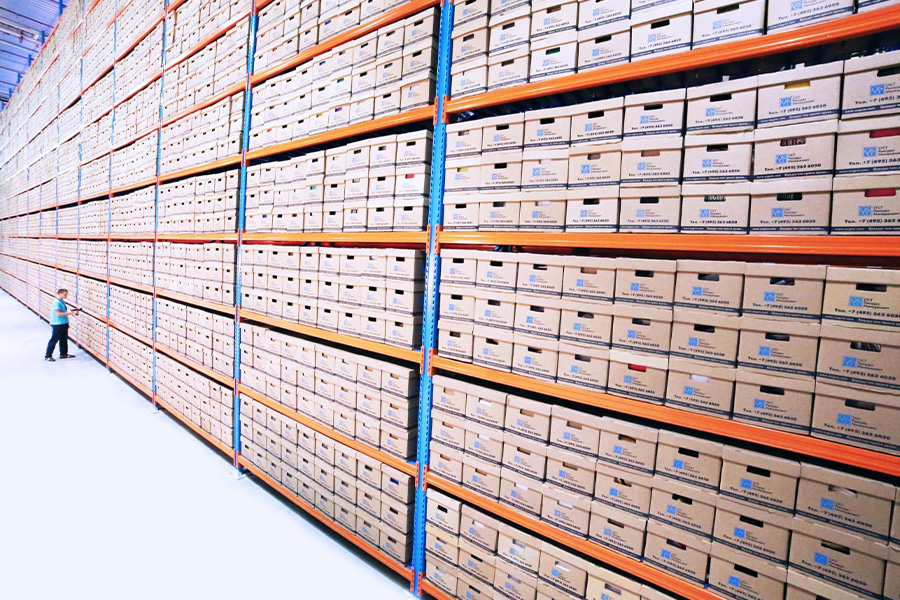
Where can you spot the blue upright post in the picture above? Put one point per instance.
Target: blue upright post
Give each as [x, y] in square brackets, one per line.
[162, 83]
[432, 271]
[241, 221]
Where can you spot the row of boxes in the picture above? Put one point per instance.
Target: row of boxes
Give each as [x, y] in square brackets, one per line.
[358, 492]
[203, 136]
[134, 162]
[136, 67]
[128, 355]
[199, 204]
[89, 331]
[131, 310]
[373, 401]
[133, 212]
[864, 205]
[91, 295]
[193, 20]
[470, 555]
[138, 113]
[204, 337]
[200, 270]
[205, 403]
[128, 261]
[615, 482]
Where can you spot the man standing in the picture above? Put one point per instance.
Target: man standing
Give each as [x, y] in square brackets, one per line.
[59, 322]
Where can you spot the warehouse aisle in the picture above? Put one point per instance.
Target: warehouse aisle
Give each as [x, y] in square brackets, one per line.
[104, 498]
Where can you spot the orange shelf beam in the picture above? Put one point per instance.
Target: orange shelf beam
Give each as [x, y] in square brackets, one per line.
[192, 364]
[226, 309]
[228, 161]
[144, 340]
[331, 336]
[610, 557]
[835, 245]
[363, 237]
[876, 21]
[434, 591]
[388, 459]
[363, 545]
[404, 118]
[197, 237]
[217, 444]
[791, 442]
[407, 9]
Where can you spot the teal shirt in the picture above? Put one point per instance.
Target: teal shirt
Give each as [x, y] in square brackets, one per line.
[55, 319]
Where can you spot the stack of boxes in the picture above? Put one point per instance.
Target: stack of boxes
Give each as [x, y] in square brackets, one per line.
[200, 270]
[371, 293]
[730, 339]
[130, 356]
[378, 184]
[128, 262]
[92, 258]
[138, 113]
[199, 204]
[202, 336]
[135, 162]
[140, 64]
[356, 491]
[703, 510]
[204, 136]
[131, 310]
[373, 401]
[133, 213]
[91, 296]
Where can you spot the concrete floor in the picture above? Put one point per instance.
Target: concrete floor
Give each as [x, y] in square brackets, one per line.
[104, 498]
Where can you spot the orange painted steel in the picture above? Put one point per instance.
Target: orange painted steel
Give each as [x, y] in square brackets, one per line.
[632, 566]
[144, 340]
[217, 444]
[434, 591]
[199, 169]
[407, 9]
[388, 459]
[832, 245]
[192, 364]
[200, 45]
[791, 442]
[230, 90]
[404, 118]
[876, 21]
[197, 237]
[363, 237]
[173, 5]
[147, 289]
[357, 541]
[338, 338]
[225, 309]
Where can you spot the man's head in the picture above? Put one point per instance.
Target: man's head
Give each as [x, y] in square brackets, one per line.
[62, 293]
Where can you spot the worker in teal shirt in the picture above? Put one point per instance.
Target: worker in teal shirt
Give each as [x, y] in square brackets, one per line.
[59, 322]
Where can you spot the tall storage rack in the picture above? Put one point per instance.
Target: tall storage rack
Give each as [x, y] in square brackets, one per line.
[33, 277]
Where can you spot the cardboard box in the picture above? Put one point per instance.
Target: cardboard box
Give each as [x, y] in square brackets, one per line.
[575, 430]
[709, 285]
[567, 511]
[866, 205]
[850, 502]
[720, 21]
[700, 387]
[721, 157]
[516, 583]
[455, 340]
[583, 365]
[838, 556]
[470, 40]
[868, 146]
[449, 395]
[628, 446]
[476, 561]
[651, 160]
[545, 169]
[501, 171]
[470, 10]
[509, 31]
[862, 298]
[595, 165]
[522, 494]
[563, 569]
[778, 346]
[705, 336]
[689, 459]
[736, 575]
[715, 208]
[722, 107]
[481, 476]
[642, 329]
[499, 211]
[535, 357]
[892, 575]
[504, 133]
[603, 584]
[529, 418]
[508, 69]
[464, 138]
[442, 575]
[604, 45]
[571, 471]
[494, 309]
[679, 552]
[762, 532]
[650, 209]
[441, 545]
[590, 278]
[497, 271]
[686, 507]
[595, 13]
[805, 587]
[548, 18]
[524, 456]
[638, 376]
[592, 209]
[661, 30]
[799, 95]
[860, 418]
[859, 356]
[469, 77]
[479, 528]
[645, 281]
[773, 401]
[553, 56]
[804, 150]
[782, 17]
[515, 547]
[759, 479]
[542, 211]
[446, 462]
[782, 292]
[655, 113]
[484, 442]
[539, 274]
[870, 84]
[618, 530]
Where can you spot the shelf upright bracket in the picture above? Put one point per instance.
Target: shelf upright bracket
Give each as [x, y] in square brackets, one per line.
[241, 222]
[432, 273]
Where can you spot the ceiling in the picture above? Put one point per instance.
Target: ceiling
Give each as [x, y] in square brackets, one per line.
[24, 25]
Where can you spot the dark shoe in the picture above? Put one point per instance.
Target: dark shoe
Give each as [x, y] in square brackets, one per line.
[67, 356]
[49, 359]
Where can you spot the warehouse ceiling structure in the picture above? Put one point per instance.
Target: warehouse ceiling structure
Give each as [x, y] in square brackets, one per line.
[24, 27]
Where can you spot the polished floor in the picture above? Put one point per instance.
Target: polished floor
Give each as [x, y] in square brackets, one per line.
[102, 497]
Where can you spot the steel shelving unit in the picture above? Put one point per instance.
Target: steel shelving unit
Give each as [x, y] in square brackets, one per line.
[851, 249]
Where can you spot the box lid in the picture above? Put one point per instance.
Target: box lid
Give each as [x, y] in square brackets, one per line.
[695, 542]
[716, 189]
[712, 139]
[637, 311]
[527, 404]
[748, 561]
[760, 513]
[598, 105]
[824, 388]
[533, 341]
[785, 270]
[866, 182]
[630, 584]
[669, 10]
[722, 87]
[839, 536]
[679, 440]
[646, 264]
[705, 317]
[818, 587]
[863, 275]
[872, 62]
[659, 97]
[854, 334]
[663, 191]
[590, 350]
[783, 466]
[605, 30]
[601, 192]
[635, 358]
[501, 120]
[801, 73]
[652, 142]
[711, 266]
[763, 378]
[789, 327]
[799, 130]
[595, 148]
[697, 367]
[695, 493]
[872, 124]
[606, 511]
[634, 430]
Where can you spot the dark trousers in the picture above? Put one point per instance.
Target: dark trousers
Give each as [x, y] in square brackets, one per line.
[61, 335]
